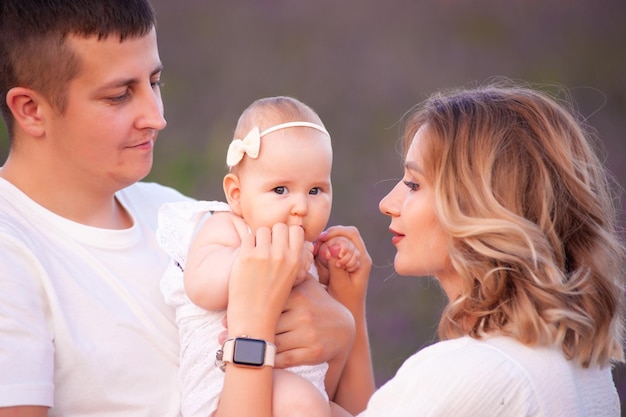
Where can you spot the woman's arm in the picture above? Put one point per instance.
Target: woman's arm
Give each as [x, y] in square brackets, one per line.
[314, 328]
[261, 280]
[356, 380]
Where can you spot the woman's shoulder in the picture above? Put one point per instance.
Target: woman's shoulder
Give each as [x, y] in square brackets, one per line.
[504, 375]
[497, 348]
[461, 377]
[494, 360]
[474, 357]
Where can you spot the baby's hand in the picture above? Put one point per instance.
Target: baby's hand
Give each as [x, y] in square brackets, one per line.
[307, 261]
[341, 251]
[344, 265]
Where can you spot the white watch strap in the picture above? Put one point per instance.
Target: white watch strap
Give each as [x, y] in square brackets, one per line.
[227, 352]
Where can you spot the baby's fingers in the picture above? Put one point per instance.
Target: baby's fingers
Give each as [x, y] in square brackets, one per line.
[350, 260]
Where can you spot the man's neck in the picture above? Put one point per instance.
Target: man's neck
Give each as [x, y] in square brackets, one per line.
[73, 200]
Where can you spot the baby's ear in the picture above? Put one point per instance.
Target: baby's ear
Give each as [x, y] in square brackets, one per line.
[232, 191]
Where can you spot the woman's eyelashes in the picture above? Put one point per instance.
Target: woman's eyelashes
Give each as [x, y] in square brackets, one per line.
[413, 186]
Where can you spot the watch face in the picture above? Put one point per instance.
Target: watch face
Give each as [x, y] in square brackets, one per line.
[249, 352]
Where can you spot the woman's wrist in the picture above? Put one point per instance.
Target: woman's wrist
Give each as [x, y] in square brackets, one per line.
[259, 325]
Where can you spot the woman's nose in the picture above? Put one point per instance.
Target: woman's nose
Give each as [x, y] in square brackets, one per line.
[388, 204]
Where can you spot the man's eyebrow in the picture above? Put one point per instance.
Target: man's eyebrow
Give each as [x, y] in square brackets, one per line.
[130, 81]
[157, 69]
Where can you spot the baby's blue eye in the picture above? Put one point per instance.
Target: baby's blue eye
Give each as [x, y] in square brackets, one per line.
[280, 190]
[315, 191]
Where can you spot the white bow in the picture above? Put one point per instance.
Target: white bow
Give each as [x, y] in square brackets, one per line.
[240, 147]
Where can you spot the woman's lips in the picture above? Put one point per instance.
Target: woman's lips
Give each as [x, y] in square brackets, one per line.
[397, 237]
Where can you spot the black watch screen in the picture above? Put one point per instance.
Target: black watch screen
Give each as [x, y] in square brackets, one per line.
[250, 352]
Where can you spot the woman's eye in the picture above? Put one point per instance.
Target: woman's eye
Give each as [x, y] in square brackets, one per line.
[315, 191]
[413, 186]
[280, 190]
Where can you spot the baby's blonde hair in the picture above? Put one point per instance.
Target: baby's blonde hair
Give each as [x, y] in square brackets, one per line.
[271, 111]
[532, 219]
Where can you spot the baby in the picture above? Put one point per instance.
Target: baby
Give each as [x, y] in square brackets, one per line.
[279, 172]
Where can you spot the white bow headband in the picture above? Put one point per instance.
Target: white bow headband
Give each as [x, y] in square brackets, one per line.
[252, 142]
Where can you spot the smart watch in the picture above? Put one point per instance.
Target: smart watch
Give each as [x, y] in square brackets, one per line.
[245, 351]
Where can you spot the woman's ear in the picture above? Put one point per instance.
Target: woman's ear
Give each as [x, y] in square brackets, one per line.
[27, 107]
[232, 191]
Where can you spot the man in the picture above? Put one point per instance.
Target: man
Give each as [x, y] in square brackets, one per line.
[84, 329]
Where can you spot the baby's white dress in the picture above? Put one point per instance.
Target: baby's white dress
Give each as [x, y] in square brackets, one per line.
[200, 379]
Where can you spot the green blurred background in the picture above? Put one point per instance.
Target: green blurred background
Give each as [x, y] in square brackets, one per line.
[361, 65]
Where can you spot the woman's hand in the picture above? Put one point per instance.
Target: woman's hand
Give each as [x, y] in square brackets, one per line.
[307, 261]
[261, 278]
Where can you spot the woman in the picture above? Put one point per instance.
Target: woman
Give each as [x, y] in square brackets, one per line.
[505, 202]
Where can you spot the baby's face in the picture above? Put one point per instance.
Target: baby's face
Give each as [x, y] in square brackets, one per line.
[289, 182]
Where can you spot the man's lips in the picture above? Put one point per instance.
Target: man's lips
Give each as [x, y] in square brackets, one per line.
[149, 144]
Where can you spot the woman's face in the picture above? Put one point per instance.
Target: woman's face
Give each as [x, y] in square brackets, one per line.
[420, 241]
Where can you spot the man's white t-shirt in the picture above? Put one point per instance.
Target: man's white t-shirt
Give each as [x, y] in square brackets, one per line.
[84, 328]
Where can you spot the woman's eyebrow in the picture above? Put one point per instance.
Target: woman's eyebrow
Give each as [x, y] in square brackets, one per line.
[413, 166]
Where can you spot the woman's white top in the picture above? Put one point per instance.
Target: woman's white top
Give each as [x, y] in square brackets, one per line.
[498, 376]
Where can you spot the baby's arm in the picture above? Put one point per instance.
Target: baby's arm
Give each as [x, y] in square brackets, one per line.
[210, 259]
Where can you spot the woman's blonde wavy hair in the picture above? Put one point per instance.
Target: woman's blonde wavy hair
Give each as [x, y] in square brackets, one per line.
[532, 218]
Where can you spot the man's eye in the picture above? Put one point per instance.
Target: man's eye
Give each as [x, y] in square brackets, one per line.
[119, 98]
[413, 186]
[280, 190]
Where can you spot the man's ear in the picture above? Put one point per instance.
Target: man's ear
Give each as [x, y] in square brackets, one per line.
[232, 191]
[26, 106]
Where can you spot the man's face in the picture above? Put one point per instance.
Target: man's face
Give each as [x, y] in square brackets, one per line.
[114, 111]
